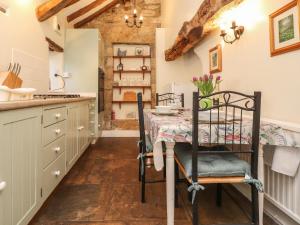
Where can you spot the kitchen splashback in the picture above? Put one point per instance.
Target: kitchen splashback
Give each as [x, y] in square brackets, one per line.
[34, 72]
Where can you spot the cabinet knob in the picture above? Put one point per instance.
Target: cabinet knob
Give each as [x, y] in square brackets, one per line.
[57, 131]
[2, 185]
[56, 149]
[57, 173]
[80, 128]
[57, 116]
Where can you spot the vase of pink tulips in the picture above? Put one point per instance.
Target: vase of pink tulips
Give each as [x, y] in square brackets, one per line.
[206, 84]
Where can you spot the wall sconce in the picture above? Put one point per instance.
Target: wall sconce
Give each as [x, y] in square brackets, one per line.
[3, 9]
[237, 31]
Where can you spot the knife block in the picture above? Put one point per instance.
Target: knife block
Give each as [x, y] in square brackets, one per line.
[11, 80]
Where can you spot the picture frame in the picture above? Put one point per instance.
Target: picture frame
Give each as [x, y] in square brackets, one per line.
[285, 29]
[215, 59]
[139, 51]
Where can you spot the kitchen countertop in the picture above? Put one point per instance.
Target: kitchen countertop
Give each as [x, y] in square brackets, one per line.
[12, 105]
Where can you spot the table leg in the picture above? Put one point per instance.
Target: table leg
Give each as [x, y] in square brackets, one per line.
[170, 182]
[261, 178]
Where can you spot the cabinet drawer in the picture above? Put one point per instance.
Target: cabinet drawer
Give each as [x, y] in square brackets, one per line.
[53, 174]
[54, 115]
[53, 132]
[53, 150]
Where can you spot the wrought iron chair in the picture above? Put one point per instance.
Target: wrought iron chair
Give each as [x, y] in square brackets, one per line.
[224, 159]
[145, 150]
[167, 98]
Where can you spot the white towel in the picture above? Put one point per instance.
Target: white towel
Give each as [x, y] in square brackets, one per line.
[269, 154]
[286, 160]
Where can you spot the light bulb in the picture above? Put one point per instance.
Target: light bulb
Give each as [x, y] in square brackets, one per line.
[134, 11]
[126, 17]
[141, 18]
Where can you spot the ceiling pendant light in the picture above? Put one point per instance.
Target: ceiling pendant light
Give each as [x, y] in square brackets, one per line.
[134, 21]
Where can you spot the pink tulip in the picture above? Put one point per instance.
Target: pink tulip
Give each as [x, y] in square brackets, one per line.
[200, 78]
[218, 78]
[205, 77]
[195, 79]
[211, 77]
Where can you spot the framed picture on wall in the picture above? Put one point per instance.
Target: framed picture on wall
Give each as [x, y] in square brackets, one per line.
[285, 29]
[215, 59]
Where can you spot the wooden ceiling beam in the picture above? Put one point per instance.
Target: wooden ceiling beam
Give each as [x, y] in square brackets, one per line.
[84, 10]
[71, 3]
[96, 14]
[193, 31]
[53, 46]
[50, 8]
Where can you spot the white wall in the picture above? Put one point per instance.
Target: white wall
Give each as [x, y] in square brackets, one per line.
[247, 65]
[56, 66]
[183, 69]
[56, 59]
[23, 41]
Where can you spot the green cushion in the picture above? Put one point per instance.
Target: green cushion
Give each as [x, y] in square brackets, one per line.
[149, 146]
[212, 165]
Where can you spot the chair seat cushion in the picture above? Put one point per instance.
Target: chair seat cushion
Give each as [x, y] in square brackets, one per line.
[149, 146]
[212, 165]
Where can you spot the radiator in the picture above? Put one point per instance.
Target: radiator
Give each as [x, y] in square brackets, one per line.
[283, 191]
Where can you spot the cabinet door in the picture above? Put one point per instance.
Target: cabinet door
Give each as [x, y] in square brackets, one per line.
[20, 148]
[5, 179]
[72, 135]
[83, 127]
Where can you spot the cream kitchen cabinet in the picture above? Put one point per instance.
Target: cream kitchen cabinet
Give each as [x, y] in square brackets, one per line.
[78, 132]
[72, 135]
[83, 129]
[37, 147]
[19, 165]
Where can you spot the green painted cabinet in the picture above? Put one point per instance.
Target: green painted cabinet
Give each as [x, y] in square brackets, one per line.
[38, 146]
[83, 129]
[72, 135]
[19, 165]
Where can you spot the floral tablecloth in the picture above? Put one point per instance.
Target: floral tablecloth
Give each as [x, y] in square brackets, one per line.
[178, 128]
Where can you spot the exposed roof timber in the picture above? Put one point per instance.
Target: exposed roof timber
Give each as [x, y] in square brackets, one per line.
[84, 10]
[73, 2]
[96, 14]
[2, 9]
[193, 31]
[53, 46]
[50, 8]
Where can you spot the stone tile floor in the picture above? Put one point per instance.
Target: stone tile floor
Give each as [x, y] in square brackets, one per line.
[103, 189]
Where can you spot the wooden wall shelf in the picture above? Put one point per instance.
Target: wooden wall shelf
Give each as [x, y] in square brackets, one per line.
[142, 72]
[132, 71]
[133, 57]
[132, 65]
[120, 102]
[132, 86]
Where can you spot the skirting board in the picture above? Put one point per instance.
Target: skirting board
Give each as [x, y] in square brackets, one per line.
[120, 133]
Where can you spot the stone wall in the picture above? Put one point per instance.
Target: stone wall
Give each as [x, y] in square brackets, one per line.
[113, 29]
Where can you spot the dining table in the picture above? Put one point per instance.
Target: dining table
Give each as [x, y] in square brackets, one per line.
[177, 127]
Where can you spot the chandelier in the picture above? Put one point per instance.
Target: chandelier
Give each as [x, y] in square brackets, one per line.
[134, 21]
